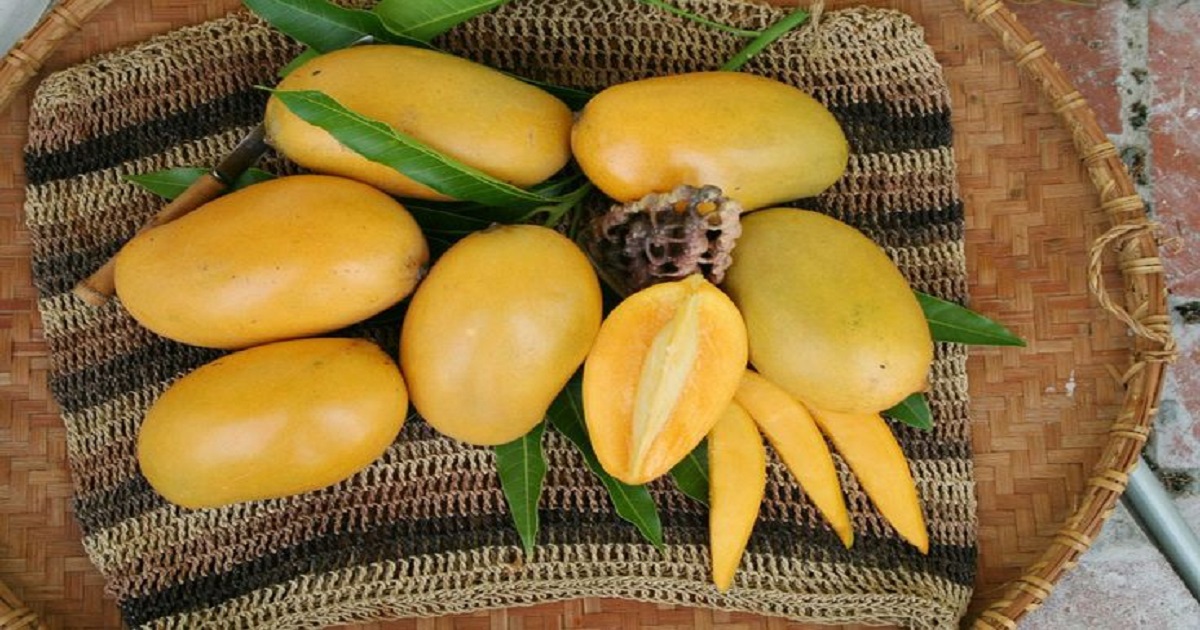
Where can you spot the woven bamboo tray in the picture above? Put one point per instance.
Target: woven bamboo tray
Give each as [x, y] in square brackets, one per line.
[1058, 247]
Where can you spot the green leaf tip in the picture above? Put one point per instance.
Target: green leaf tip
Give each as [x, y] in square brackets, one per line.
[791, 21]
[632, 503]
[913, 411]
[326, 26]
[521, 465]
[953, 323]
[170, 183]
[691, 473]
[427, 19]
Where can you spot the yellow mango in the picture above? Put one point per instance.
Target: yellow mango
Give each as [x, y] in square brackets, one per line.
[492, 335]
[483, 118]
[291, 257]
[737, 472]
[662, 371]
[830, 318]
[873, 454]
[760, 141]
[794, 434]
[272, 421]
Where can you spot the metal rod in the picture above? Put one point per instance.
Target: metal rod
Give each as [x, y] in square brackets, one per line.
[1158, 516]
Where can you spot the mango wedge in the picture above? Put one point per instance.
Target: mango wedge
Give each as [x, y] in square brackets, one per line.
[795, 437]
[737, 468]
[874, 455]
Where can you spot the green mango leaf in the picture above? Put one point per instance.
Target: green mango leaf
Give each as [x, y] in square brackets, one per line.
[426, 19]
[325, 26]
[950, 322]
[913, 411]
[448, 217]
[522, 468]
[171, 183]
[766, 38]
[691, 474]
[380, 143]
[632, 503]
[670, 8]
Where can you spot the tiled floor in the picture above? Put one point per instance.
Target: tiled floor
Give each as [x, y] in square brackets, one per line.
[1136, 61]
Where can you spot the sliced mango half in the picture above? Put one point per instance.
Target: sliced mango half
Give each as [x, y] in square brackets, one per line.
[663, 368]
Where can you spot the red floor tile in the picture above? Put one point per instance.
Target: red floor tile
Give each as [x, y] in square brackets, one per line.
[1083, 40]
[1174, 54]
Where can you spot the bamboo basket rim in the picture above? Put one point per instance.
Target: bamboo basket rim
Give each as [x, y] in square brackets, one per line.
[1131, 235]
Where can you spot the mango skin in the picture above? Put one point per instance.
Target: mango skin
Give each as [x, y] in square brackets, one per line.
[762, 142]
[488, 120]
[291, 257]
[272, 421]
[492, 335]
[830, 318]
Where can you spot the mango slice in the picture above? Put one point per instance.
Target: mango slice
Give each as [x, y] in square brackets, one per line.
[874, 455]
[663, 368]
[794, 434]
[737, 468]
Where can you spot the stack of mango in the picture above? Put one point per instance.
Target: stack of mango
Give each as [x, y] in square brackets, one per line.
[795, 326]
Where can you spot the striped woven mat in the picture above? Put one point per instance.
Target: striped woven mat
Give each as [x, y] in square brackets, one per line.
[425, 530]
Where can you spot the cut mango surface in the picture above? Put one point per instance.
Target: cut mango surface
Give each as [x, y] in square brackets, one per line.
[869, 447]
[663, 368]
[795, 437]
[737, 467]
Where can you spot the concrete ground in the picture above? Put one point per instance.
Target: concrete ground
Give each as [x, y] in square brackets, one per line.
[1137, 62]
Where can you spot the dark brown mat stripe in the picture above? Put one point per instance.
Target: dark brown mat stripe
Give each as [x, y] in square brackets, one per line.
[428, 518]
[875, 128]
[147, 138]
[160, 360]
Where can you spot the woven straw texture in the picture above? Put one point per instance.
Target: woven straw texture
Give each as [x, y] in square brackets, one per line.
[1031, 217]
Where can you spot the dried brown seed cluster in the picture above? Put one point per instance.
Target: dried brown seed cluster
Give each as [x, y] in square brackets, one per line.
[667, 236]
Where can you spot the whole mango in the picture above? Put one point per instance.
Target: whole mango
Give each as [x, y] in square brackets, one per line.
[830, 318]
[760, 141]
[492, 335]
[483, 118]
[664, 369]
[272, 421]
[286, 258]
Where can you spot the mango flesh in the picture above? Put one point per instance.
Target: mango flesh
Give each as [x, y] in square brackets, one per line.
[795, 437]
[477, 115]
[737, 467]
[662, 371]
[870, 449]
[272, 421]
[762, 142]
[291, 257]
[492, 335]
[830, 318]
